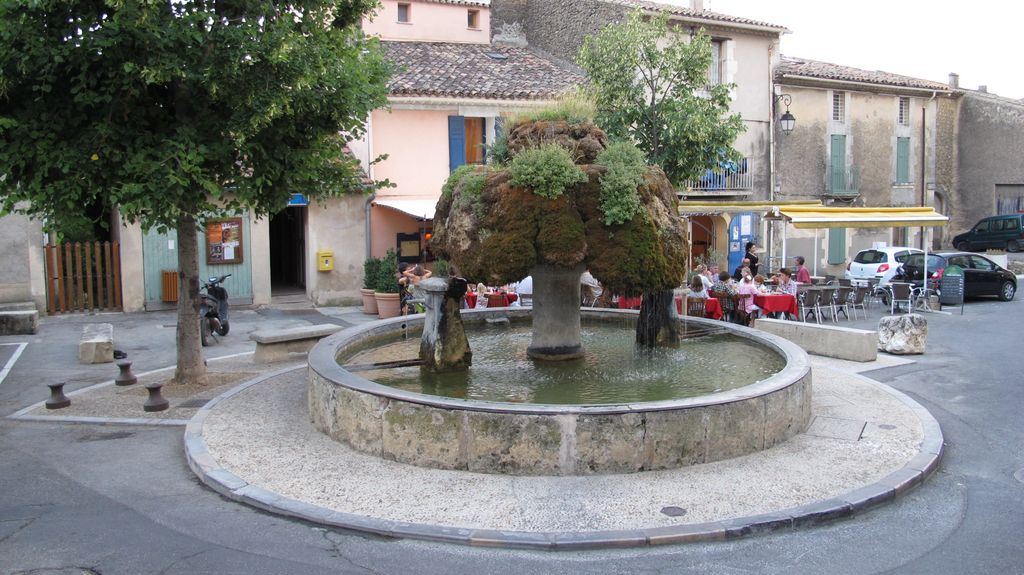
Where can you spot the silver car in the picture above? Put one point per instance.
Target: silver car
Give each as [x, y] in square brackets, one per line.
[878, 264]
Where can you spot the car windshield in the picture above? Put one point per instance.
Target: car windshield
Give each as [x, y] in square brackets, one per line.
[917, 260]
[870, 257]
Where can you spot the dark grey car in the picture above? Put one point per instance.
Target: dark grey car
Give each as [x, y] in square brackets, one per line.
[982, 276]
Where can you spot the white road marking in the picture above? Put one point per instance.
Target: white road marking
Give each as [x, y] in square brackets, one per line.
[14, 358]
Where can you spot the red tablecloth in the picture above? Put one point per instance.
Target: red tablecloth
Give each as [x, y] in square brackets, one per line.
[771, 303]
[712, 308]
[630, 302]
[493, 300]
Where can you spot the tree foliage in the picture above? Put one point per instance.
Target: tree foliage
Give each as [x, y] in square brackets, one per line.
[176, 111]
[650, 85]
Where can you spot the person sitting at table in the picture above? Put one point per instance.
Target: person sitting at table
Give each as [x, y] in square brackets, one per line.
[482, 292]
[705, 276]
[759, 284]
[747, 288]
[743, 268]
[697, 290]
[802, 275]
[786, 284]
[725, 291]
[591, 289]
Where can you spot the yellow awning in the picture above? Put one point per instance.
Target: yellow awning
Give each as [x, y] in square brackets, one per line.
[823, 217]
[701, 208]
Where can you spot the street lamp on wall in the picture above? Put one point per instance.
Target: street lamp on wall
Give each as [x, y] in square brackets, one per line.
[787, 121]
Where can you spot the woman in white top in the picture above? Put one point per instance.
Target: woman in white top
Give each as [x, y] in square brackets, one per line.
[481, 296]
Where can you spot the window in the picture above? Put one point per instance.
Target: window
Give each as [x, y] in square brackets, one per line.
[404, 12]
[904, 113]
[839, 106]
[716, 73]
[902, 160]
[473, 19]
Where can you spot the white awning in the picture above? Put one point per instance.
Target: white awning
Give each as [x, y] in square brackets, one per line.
[419, 208]
[822, 217]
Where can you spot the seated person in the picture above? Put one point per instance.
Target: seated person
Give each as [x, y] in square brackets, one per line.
[749, 289]
[697, 290]
[482, 292]
[759, 284]
[725, 291]
[786, 283]
[744, 267]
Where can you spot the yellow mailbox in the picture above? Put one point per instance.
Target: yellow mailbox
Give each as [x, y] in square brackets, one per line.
[324, 260]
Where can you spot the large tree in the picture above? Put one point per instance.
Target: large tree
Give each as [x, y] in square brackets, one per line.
[175, 111]
[650, 83]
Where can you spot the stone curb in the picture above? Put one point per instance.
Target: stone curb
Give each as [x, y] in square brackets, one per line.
[885, 490]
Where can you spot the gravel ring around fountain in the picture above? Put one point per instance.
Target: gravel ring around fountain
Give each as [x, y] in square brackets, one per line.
[230, 427]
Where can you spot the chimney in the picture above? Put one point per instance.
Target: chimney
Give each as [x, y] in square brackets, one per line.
[697, 5]
[983, 89]
[954, 80]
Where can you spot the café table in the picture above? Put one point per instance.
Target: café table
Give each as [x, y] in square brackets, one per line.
[629, 302]
[775, 303]
[713, 308]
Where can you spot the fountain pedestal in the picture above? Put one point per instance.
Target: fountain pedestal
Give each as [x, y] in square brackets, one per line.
[556, 313]
[444, 345]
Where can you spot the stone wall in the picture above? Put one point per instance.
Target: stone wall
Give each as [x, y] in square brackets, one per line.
[557, 28]
[989, 141]
[946, 157]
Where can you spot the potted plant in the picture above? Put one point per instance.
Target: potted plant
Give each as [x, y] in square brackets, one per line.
[386, 288]
[371, 268]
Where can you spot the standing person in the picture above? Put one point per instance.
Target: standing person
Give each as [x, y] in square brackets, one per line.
[750, 255]
[802, 275]
[589, 282]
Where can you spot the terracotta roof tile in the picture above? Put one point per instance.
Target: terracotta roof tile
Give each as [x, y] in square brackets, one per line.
[476, 71]
[690, 12]
[789, 66]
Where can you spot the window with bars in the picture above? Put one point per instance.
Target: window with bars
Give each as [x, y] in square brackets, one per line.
[716, 73]
[904, 113]
[839, 106]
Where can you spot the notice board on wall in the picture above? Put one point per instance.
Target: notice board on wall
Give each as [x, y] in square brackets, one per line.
[224, 241]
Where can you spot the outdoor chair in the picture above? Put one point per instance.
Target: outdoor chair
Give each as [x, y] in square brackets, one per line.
[841, 301]
[844, 282]
[900, 293]
[808, 305]
[741, 316]
[695, 307]
[826, 302]
[857, 299]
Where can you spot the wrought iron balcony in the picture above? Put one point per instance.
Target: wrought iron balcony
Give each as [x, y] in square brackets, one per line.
[731, 176]
[842, 181]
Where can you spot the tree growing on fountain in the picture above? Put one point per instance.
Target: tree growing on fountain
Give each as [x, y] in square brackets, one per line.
[560, 200]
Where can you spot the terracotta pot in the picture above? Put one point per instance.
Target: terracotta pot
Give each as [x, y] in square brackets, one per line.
[388, 304]
[369, 302]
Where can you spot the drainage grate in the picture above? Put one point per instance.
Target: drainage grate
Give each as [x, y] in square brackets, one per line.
[673, 511]
[193, 403]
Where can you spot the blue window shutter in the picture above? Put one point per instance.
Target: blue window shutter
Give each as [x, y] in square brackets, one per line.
[456, 142]
[837, 245]
[902, 160]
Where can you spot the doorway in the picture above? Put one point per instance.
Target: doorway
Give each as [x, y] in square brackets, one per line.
[288, 251]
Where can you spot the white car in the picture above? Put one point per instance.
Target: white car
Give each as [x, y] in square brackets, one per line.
[877, 264]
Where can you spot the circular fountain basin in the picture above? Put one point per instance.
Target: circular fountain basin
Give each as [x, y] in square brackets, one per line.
[547, 439]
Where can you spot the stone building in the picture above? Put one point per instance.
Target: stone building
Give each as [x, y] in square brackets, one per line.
[862, 139]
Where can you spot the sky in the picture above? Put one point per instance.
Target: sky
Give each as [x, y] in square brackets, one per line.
[980, 40]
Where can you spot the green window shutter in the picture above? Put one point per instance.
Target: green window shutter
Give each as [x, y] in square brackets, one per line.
[837, 245]
[902, 160]
[838, 164]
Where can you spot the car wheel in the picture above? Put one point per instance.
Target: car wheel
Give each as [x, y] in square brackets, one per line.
[1007, 292]
[1013, 246]
[963, 247]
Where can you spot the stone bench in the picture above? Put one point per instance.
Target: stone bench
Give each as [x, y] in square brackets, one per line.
[19, 322]
[278, 344]
[97, 343]
[827, 340]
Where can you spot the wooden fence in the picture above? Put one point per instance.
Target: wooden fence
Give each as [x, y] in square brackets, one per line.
[83, 277]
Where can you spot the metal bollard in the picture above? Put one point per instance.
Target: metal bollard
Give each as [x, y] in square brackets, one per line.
[57, 398]
[155, 401]
[125, 377]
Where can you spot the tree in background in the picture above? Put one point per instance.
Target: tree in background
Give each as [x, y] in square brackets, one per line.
[651, 87]
[175, 112]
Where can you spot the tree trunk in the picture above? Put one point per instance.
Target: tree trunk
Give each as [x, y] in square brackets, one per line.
[658, 324]
[191, 367]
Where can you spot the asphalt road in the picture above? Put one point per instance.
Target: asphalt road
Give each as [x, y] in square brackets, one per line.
[121, 500]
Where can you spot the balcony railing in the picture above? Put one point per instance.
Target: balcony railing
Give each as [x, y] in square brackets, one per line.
[733, 176]
[842, 181]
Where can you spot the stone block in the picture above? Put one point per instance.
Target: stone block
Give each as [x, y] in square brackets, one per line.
[735, 429]
[518, 444]
[421, 435]
[825, 340]
[674, 438]
[786, 412]
[903, 334]
[357, 419]
[19, 322]
[97, 343]
[609, 443]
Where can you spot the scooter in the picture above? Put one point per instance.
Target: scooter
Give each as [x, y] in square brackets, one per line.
[213, 309]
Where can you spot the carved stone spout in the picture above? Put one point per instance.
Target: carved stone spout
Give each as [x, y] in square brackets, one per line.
[444, 346]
